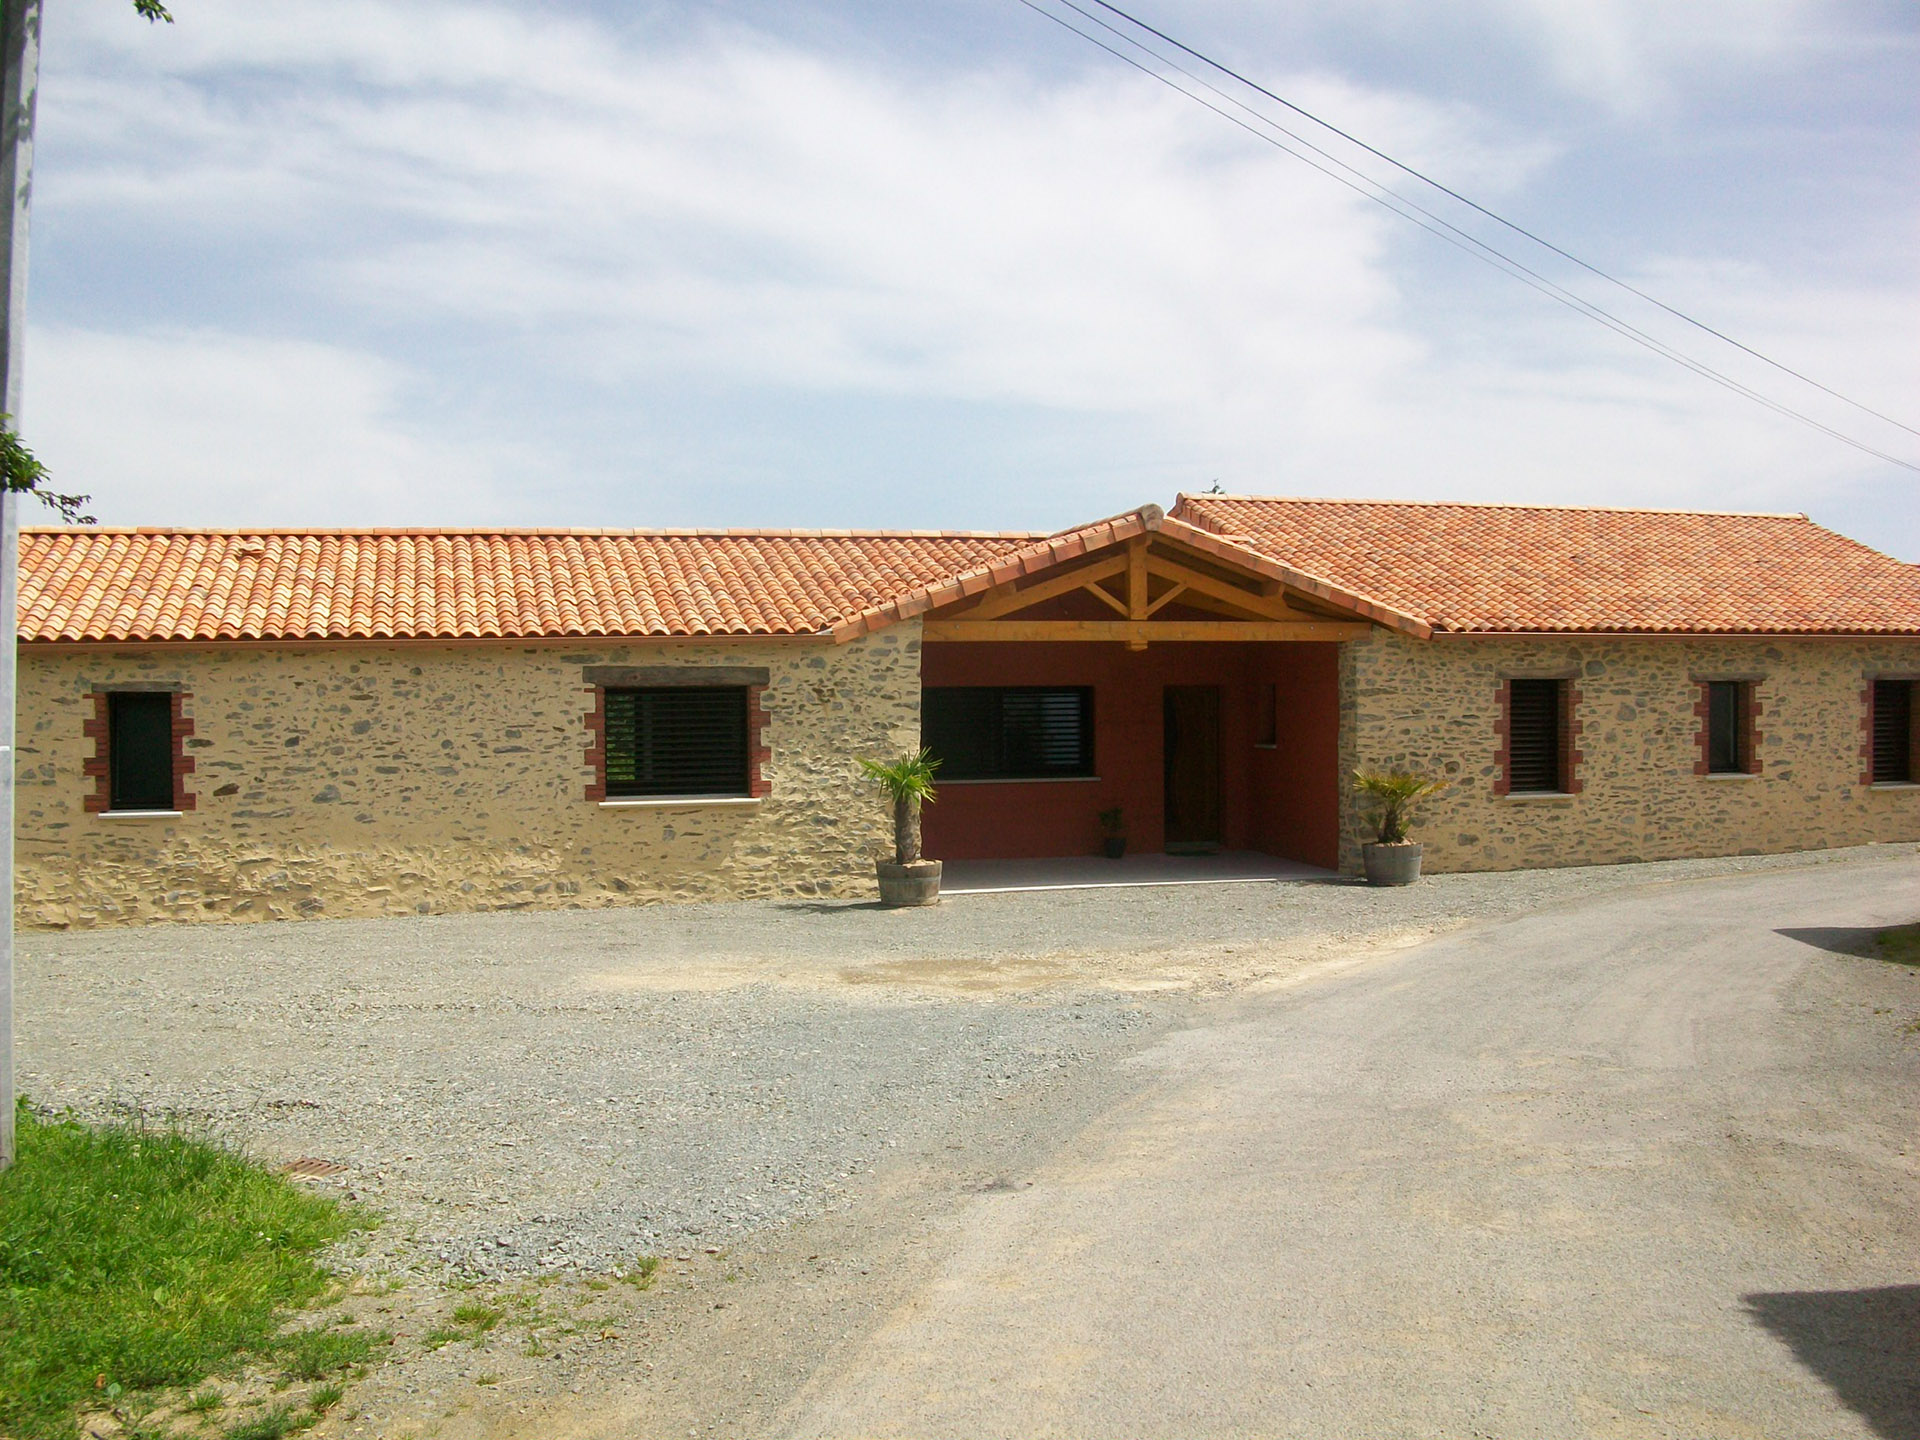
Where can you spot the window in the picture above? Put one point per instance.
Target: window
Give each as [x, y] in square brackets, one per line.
[1727, 740]
[682, 740]
[1533, 736]
[1019, 732]
[1892, 732]
[1266, 720]
[140, 750]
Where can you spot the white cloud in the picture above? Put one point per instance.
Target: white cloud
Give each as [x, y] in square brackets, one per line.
[1623, 56]
[598, 214]
[202, 428]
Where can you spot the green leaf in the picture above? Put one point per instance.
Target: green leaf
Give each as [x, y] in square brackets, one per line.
[22, 472]
[908, 778]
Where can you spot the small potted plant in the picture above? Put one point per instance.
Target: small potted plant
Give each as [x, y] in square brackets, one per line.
[1113, 833]
[1392, 859]
[906, 879]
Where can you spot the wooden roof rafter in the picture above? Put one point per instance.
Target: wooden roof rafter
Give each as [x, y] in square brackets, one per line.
[1012, 582]
[1137, 579]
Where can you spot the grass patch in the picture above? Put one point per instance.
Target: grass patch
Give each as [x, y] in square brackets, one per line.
[1901, 944]
[643, 1271]
[132, 1260]
[325, 1398]
[275, 1424]
[311, 1354]
[477, 1318]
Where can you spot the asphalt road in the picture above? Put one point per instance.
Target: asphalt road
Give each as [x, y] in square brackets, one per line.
[1633, 1167]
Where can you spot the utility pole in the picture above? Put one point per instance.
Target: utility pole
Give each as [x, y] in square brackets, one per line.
[20, 54]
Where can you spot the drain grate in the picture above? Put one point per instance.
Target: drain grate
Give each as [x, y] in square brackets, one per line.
[308, 1168]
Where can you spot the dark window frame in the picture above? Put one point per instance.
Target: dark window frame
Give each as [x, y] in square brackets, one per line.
[1890, 749]
[165, 790]
[1266, 717]
[663, 727]
[1719, 752]
[1538, 766]
[1001, 750]
[1727, 740]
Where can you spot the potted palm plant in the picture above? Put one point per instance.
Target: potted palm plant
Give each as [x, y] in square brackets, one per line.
[1113, 832]
[1392, 859]
[906, 879]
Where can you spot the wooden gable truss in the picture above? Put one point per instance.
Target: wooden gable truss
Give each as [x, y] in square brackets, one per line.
[1137, 581]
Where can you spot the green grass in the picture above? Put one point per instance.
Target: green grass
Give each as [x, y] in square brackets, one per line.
[287, 1420]
[132, 1260]
[477, 1318]
[311, 1354]
[1901, 944]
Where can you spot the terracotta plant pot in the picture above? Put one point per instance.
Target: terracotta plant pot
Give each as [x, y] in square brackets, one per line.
[1115, 846]
[915, 884]
[1391, 864]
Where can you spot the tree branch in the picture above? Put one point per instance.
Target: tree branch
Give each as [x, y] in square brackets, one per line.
[20, 471]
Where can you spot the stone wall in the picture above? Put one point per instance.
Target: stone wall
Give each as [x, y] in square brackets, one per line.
[355, 780]
[1434, 705]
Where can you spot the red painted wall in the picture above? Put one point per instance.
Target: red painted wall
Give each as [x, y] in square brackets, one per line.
[1296, 784]
[1283, 801]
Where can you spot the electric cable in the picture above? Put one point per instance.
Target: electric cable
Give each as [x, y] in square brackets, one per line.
[1499, 219]
[1435, 224]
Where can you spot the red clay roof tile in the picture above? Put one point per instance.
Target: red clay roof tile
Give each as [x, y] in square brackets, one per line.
[127, 585]
[1540, 568]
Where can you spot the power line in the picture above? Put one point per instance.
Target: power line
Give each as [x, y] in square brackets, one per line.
[1499, 219]
[1426, 219]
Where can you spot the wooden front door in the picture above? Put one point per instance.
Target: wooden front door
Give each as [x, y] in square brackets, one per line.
[1193, 767]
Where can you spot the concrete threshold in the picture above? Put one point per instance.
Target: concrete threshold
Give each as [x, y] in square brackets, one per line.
[1096, 872]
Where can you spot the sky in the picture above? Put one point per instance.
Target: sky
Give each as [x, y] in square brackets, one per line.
[857, 264]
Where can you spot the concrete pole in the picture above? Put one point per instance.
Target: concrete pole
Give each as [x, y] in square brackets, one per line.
[20, 54]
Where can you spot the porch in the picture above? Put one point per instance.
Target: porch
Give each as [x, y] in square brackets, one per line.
[1200, 748]
[1137, 677]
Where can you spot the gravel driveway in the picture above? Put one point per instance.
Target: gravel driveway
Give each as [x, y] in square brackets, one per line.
[567, 1090]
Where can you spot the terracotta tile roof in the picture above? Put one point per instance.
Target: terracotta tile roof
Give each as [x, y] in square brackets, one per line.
[108, 584]
[1049, 550]
[1538, 568]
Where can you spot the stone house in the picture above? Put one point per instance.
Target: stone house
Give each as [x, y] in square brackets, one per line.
[229, 725]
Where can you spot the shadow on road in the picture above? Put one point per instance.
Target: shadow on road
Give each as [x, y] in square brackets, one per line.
[1840, 939]
[1863, 1343]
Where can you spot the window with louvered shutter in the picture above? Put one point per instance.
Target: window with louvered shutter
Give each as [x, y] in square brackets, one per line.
[679, 741]
[1533, 736]
[1013, 732]
[1892, 732]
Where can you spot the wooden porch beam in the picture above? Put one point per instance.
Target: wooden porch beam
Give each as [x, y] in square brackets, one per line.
[1165, 600]
[1273, 608]
[1006, 599]
[1107, 598]
[1139, 633]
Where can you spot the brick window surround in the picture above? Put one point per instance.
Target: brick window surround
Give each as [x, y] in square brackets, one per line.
[752, 679]
[1570, 726]
[1866, 720]
[1750, 734]
[100, 766]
